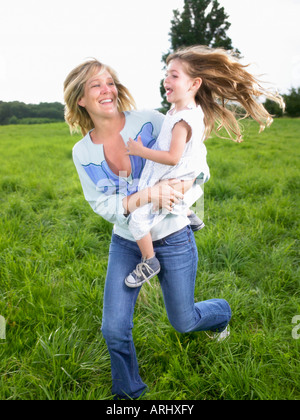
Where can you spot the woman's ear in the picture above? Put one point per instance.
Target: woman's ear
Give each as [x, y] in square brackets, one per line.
[81, 102]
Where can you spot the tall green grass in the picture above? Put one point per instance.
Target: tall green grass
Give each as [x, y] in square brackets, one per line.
[53, 259]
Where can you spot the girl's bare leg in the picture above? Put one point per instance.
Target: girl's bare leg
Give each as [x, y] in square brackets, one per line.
[146, 246]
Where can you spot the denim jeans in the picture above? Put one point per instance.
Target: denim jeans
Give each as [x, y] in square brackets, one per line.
[178, 257]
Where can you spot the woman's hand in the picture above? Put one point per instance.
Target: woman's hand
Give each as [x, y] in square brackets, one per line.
[163, 195]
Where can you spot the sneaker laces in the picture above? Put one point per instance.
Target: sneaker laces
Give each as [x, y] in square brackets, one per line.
[139, 271]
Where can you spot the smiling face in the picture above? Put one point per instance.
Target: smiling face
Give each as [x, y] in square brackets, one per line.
[180, 88]
[100, 95]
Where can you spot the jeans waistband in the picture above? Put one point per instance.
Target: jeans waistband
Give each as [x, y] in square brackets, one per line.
[161, 241]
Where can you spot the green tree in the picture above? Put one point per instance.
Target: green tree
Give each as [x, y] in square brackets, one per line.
[292, 102]
[273, 108]
[202, 22]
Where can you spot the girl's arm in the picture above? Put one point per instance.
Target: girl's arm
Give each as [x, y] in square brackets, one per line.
[180, 135]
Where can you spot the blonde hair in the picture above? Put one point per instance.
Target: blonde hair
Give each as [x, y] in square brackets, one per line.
[77, 116]
[225, 79]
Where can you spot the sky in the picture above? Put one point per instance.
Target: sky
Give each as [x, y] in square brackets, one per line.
[41, 41]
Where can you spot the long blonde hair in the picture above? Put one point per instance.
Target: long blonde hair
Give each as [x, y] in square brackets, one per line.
[77, 116]
[224, 79]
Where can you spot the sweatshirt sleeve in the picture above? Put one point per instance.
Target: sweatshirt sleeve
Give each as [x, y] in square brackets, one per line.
[109, 207]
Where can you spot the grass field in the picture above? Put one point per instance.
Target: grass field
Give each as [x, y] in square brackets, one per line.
[53, 258]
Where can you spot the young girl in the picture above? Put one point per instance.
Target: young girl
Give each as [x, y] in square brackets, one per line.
[199, 82]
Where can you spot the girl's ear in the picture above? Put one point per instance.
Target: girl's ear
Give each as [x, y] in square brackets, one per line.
[197, 83]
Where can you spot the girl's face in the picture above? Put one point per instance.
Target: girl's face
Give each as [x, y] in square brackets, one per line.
[180, 87]
[100, 95]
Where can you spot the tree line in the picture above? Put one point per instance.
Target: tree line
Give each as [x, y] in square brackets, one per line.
[21, 113]
[292, 103]
[201, 22]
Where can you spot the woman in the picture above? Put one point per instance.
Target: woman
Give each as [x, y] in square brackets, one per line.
[98, 104]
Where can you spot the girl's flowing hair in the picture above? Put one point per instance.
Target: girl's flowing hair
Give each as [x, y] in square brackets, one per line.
[225, 80]
[76, 116]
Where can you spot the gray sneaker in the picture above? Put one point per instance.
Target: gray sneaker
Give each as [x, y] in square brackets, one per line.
[144, 271]
[196, 223]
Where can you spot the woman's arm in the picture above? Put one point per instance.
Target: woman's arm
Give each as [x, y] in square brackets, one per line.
[108, 206]
[180, 135]
[163, 195]
[115, 207]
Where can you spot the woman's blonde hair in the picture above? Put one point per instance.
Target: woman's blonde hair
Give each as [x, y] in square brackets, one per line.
[77, 116]
[224, 79]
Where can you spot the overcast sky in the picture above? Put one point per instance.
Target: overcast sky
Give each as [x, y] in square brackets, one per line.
[42, 40]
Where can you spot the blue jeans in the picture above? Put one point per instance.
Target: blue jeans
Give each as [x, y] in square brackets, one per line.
[178, 257]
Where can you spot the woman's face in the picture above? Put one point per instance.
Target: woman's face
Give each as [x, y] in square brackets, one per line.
[100, 95]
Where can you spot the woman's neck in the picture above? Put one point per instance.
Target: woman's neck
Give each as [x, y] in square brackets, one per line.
[106, 128]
